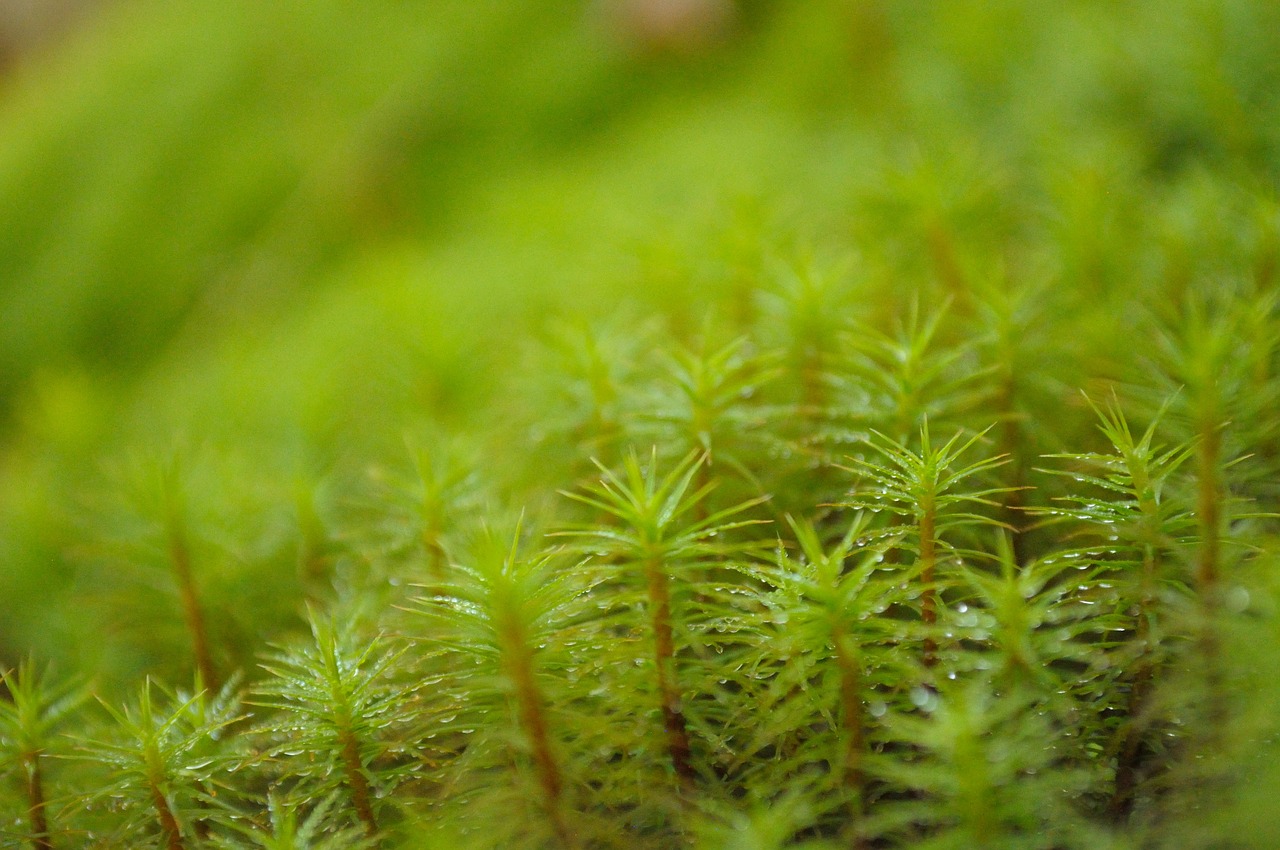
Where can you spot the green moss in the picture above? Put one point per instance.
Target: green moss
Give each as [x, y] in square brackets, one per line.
[383, 280]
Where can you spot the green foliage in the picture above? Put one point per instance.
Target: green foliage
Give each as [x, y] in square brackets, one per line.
[30, 719]
[898, 667]
[164, 764]
[823, 666]
[907, 378]
[286, 829]
[695, 295]
[334, 698]
[988, 773]
[497, 634]
[664, 545]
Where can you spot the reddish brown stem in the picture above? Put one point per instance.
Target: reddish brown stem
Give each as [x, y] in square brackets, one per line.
[531, 710]
[945, 263]
[664, 661]
[1129, 756]
[168, 823]
[40, 839]
[437, 558]
[180, 557]
[356, 780]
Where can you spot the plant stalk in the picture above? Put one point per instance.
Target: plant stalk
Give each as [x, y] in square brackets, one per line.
[928, 568]
[359, 783]
[813, 398]
[437, 558]
[664, 661]
[1011, 447]
[40, 839]
[531, 710]
[1208, 510]
[180, 558]
[164, 814]
[852, 716]
[1129, 756]
[942, 252]
[1208, 566]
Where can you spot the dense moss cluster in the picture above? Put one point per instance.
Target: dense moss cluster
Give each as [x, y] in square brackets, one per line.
[553, 424]
[807, 582]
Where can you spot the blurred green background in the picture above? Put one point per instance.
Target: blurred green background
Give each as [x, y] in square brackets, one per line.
[292, 230]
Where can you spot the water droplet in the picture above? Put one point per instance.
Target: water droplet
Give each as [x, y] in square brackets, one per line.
[1237, 599]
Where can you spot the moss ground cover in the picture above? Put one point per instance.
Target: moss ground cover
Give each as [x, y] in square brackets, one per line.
[500, 425]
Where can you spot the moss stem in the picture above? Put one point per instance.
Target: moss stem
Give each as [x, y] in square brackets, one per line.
[852, 716]
[180, 559]
[1011, 447]
[356, 780]
[531, 711]
[1208, 567]
[664, 661]
[168, 822]
[1208, 510]
[928, 568]
[36, 815]
[1129, 755]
